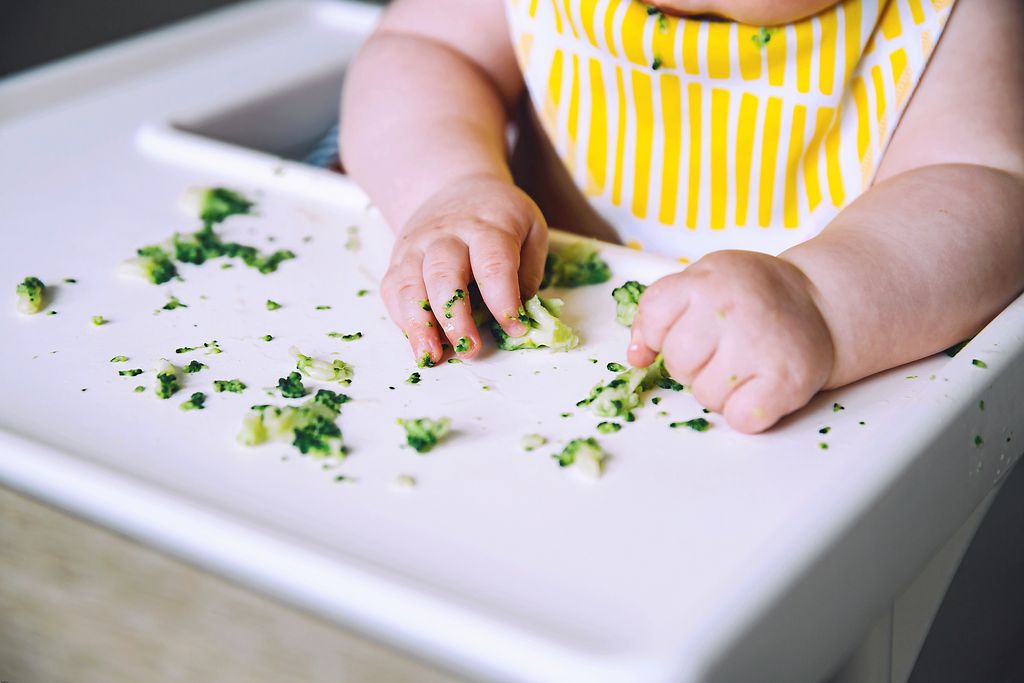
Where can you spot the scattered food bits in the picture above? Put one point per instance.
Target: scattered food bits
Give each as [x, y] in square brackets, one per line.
[698, 424]
[195, 401]
[423, 433]
[836, 407]
[362, 292]
[532, 442]
[139, 389]
[323, 307]
[272, 305]
[134, 372]
[172, 303]
[627, 299]
[119, 359]
[168, 380]
[978, 441]
[291, 386]
[457, 295]
[616, 367]
[979, 363]
[234, 386]
[98, 320]
[425, 361]
[345, 337]
[404, 482]
[31, 295]
[414, 378]
[194, 366]
[585, 456]
[608, 427]
[463, 345]
[823, 446]
[454, 361]
[267, 337]
[824, 430]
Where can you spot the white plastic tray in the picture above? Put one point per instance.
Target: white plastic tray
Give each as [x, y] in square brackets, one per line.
[699, 555]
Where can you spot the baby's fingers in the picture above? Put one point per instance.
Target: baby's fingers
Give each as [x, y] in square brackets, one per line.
[495, 261]
[405, 296]
[756, 406]
[446, 271]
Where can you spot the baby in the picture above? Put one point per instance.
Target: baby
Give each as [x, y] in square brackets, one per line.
[844, 179]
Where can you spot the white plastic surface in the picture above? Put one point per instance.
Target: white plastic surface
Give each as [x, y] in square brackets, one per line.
[497, 563]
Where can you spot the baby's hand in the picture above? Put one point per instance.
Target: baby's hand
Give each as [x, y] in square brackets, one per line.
[481, 229]
[743, 330]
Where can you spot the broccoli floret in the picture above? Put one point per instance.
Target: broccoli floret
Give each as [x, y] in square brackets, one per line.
[335, 371]
[414, 378]
[152, 263]
[194, 366]
[195, 401]
[423, 433]
[621, 395]
[31, 295]
[544, 328]
[269, 263]
[218, 203]
[608, 427]
[98, 320]
[626, 299]
[130, 373]
[235, 386]
[575, 265]
[586, 455]
[267, 337]
[119, 359]
[616, 367]
[167, 380]
[272, 305]
[291, 386]
[310, 427]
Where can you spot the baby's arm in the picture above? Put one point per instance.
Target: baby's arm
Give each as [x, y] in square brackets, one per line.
[424, 111]
[921, 260]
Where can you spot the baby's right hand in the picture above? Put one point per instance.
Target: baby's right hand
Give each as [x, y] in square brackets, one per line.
[478, 228]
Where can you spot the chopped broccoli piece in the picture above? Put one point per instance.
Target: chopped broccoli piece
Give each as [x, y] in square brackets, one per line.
[335, 371]
[585, 454]
[425, 361]
[98, 320]
[152, 263]
[119, 359]
[763, 36]
[310, 427]
[194, 366]
[414, 378]
[979, 363]
[616, 367]
[463, 345]
[424, 305]
[291, 386]
[656, 400]
[70, 280]
[404, 482]
[978, 441]
[31, 295]
[269, 264]
[423, 433]
[195, 401]
[212, 348]
[575, 265]
[235, 386]
[362, 292]
[267, 337]
[168, 380]
[345, 337]
[218, 203]
[173, 303]
[698, 424]
[130, 373]
[544, 328]
[836, 407]
[822, 445]
[323, 307]
[656, 63]
[139, 389]
[619, 396]
[457, 295]
[608, 427]
[627, 297]
[532, 442]
[824, 430]
[272, 305]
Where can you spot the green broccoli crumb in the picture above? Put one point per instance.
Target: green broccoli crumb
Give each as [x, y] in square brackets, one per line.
[424, 304]
[616, 367]
[532, 442]
[31, 295]
[586, 454]
[979, 363]
[272, 305]
[345, 337]
[425, 361]
[981, 404]
[173, 303]
[235, 386]
[362, 292]
[463, 345]
[414, 378]
[194, 366]
[836, 407]
[656, 64]
[70, 280]
[457, 295]
[656, 400]
[353, 243]
[824, 430]
[130, 373]
[139, 389]
[323, 307]
[698, 424]
[608, 427]
[763, 36]
[424, 433]
[195, 401]
[823, 446]
[98, 320]
[119, 359]
[152, 263]
[267, 337]
[978, 441]
[454, 361]
[218, 203]
[291, 386]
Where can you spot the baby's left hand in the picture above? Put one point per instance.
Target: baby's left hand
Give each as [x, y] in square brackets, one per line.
[743, 330]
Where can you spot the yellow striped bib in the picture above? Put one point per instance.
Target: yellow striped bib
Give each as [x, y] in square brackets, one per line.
[691, 135]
